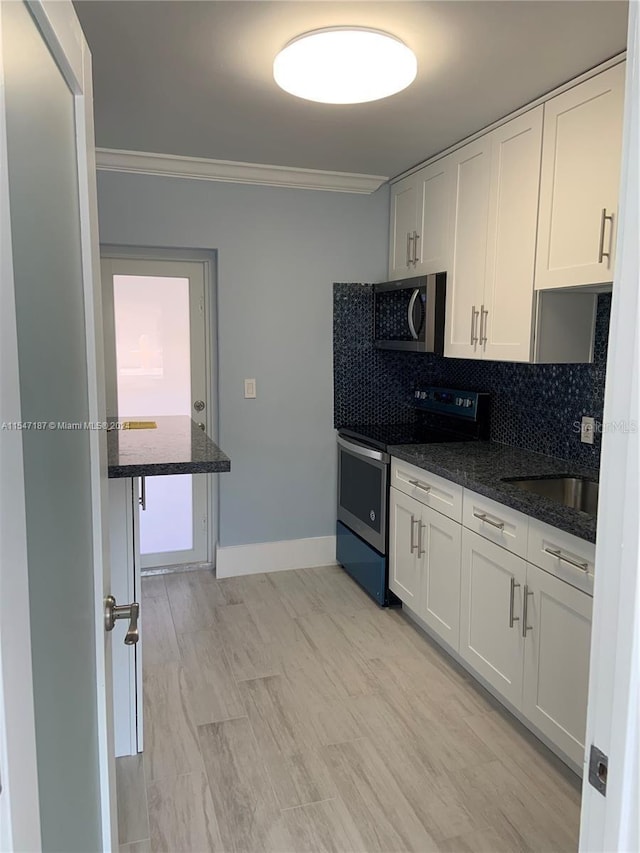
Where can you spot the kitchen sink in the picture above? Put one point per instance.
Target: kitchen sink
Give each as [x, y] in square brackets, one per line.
[576, 492]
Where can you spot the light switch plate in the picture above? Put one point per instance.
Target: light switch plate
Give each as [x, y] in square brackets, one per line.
[249, 389]
[587, 430]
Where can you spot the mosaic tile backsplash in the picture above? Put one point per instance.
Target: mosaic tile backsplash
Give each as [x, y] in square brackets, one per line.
[533, 406]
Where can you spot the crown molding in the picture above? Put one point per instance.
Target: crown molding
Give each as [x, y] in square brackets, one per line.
[198, 168]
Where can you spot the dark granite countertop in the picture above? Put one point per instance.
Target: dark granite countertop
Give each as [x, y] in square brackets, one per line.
[177, 446]
[481, 465]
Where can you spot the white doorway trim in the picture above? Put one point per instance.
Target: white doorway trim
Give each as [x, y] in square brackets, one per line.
[611, 823]
[209, 261]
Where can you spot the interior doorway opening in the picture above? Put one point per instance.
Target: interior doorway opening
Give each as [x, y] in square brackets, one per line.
[160, 350]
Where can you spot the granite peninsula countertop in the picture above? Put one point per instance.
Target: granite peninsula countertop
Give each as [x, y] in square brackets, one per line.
[176, 446]
[481, 466]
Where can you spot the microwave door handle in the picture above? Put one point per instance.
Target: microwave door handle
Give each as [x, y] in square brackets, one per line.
[410, 310]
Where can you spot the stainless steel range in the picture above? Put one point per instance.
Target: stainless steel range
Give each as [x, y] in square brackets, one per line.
[441, 415]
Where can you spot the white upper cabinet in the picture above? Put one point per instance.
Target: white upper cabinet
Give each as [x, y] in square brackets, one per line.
[490, 286]
[403, 227]
[581, 156]
[420, 209]
[507, 313]
[471, 168]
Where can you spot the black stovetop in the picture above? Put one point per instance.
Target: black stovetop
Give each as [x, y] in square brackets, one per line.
[382, 436]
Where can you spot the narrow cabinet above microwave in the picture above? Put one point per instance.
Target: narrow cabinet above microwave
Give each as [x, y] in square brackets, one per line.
[420, 210]
[409, 314]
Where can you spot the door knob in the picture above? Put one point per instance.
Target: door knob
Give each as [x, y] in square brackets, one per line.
[113, 612]
[199, 405]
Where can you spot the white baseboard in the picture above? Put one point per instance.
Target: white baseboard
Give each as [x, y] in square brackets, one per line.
[252, 559]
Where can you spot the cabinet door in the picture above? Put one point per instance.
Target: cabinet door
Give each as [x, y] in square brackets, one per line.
[556, 669]
[471, 168]
[581, 153]
[405, 575]
[440, 601]
[487, 642]
[506, 323]
[404, 204]
[434, 190]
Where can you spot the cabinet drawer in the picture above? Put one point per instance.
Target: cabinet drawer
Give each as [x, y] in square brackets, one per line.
[556, 552]
[496, 522]
[430, 490]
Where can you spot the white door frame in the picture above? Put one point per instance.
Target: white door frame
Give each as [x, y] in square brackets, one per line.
[611, 823]
[63, 35]
[209, 261]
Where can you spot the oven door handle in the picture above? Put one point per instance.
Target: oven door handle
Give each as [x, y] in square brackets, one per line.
[363, 450]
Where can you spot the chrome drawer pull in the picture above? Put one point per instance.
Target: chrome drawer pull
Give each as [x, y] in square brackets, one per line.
[474, 314]
[525, 612]
[421, 527]
[584, 567]
[601, 252]
[420, 485]
[413, 521]
[512, 591]
[484, 517]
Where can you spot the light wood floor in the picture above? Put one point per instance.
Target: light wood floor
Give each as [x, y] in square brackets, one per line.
[287, 712]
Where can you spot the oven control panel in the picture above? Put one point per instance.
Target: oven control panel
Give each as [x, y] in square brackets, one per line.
[449, 401]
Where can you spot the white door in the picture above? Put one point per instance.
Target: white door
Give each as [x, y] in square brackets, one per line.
[440, 605]
[507, 328]
[556, 660]
[612, 822]
[580, 183]
[52, 368]
[491, 614]
[435, 190]
[403, 225]
[471, 167]
[156, 330]
[405, 564]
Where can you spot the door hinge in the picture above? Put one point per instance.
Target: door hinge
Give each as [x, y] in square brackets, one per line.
[598, 769]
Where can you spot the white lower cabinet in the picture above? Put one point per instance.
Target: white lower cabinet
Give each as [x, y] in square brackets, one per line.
[424, 564]
[527, 634]
[491, 641]
[404, 565]
[556, 660]
[509, 594]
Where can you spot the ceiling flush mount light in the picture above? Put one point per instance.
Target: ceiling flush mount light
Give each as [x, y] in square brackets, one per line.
[344, 65]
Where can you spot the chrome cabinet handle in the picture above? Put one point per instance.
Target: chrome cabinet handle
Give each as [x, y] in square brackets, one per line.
[484, 313]
[484, 517]
[420, 485]
[142, 500]
[113, 612]
[525, 611]
[601, 252]
[584, 567]
[412, 302]
[421, 526]
[474, 314]
[416, 237]
[512, 590]
[409, 249]
[413, 521]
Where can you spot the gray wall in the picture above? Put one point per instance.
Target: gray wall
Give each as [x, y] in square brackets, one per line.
[279, 251]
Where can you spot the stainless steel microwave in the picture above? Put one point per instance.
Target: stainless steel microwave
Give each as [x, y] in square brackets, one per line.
[409, 314]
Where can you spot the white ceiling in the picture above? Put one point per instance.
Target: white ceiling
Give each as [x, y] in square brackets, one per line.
[195, 78]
